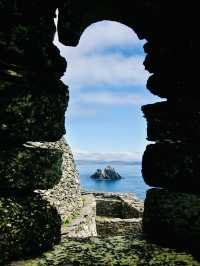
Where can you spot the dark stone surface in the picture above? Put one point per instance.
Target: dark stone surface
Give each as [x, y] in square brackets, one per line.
[109, 207]
[175, 166]
[28, 226]
[74, 17]
[174, 84]
[173, 219]
[27, 167]
[173, 120]
[27, 31]
[107, 226]
[30, 112]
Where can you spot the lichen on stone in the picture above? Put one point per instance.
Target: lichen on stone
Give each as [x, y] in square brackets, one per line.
[28, 225]
[27, 167]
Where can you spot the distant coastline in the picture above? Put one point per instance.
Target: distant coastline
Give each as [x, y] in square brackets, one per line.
[92, 162]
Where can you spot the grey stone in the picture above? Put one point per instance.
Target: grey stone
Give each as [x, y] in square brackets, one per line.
[173, 219]
[175, 166]
[108, 173]
[28, 226]
[28, 167]
[66, 195]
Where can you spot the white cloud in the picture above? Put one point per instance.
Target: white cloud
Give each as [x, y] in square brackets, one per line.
[107, 34]
[77, 110]
[89, 104]
[107, 156]
[89, 65]
[108, 98]
[106, 69]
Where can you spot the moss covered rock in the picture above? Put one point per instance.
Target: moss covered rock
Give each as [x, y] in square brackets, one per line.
[27, 32]
[28, 167]
[173, 120]
[175, 166]
[28, 226]
[173, 219]
[32, 110]
[115, 251]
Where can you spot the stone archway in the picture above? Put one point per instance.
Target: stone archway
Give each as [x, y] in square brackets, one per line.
[33, 103]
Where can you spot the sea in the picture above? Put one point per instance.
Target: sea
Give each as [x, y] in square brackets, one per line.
[132, 180]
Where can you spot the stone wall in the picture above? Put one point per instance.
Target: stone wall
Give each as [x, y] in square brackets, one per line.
[118, 205]
[66, 195]
[118, 214]
[33, 102]
[107, 226]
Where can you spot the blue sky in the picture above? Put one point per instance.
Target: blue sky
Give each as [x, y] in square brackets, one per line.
[107, 80]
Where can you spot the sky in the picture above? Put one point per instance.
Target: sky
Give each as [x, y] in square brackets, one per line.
[106, 80]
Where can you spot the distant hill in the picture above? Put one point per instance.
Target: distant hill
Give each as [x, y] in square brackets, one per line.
[89, 162]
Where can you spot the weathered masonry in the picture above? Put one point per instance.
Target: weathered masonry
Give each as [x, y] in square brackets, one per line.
[33, 101]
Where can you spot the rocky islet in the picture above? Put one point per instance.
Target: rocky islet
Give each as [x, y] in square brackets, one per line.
[108, 173]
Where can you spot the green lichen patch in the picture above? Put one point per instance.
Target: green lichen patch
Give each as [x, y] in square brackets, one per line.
[173, 218]
[174, 166]
[29, 168]
[115, 251]
[172, 120]
[27, 34]
[28, 226]
[31, 111]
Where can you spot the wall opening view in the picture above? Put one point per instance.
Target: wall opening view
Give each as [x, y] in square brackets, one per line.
[104, 122]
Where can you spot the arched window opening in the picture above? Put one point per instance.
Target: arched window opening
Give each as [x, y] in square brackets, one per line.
[104, 122]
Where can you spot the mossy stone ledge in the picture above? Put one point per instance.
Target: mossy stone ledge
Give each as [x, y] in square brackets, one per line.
[30, 114]
[28, 226]
[28, 167]
[174, 166]
[173, 120]
[173, 219]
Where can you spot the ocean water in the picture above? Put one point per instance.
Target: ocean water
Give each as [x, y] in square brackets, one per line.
[131, 181]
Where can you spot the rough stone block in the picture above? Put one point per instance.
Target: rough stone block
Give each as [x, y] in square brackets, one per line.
[174, 84]
[109, 207]
[161, 54]
[173, 219]
[175, 166]
[107, 226]
[32, 111]
[28, 226]
[173, 120]
[66, 195]
[28, 167]
[27, 31]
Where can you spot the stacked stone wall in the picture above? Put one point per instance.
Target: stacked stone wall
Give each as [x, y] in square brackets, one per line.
[171, 164]
[65, 195]
[33, 102]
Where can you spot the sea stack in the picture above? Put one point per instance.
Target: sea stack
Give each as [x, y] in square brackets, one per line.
[108, 173]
